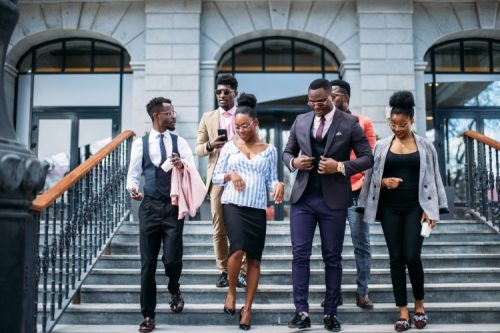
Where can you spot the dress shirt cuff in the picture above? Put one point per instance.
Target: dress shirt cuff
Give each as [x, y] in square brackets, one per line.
[292, 169]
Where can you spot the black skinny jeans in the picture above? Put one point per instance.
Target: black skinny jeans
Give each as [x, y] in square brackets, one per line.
[401, 228]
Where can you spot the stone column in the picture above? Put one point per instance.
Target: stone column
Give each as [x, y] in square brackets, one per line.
[420, 111]
[21, 177]
[173, 59]
[349, 70]
[386, 56]
[207, 98]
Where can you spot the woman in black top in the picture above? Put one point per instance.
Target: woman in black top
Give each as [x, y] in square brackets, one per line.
[403, 189]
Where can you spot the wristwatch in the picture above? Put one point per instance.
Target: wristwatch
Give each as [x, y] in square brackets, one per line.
[341, 168]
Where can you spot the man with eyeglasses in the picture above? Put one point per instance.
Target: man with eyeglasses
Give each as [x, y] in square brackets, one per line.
[154, 155]
[319, 146]
[209, 142]
[360, 231]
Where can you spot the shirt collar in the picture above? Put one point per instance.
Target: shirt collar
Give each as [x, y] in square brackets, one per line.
[155, 134]
[328, 116]
[231, 111]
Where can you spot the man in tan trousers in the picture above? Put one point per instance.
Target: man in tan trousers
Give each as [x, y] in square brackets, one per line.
[209, 142]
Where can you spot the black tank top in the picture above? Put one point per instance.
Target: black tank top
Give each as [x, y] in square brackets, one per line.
[406, 167]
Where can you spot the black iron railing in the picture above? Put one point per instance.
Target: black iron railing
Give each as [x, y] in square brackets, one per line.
[76, 219]
[482, 177]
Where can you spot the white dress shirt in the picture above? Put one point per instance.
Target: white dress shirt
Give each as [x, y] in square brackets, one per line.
[135, 166]
[328, 123]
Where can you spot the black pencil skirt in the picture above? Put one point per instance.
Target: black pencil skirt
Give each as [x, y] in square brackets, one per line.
[246, 229]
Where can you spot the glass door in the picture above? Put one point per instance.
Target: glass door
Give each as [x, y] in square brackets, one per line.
[274, 128]
[64, 138]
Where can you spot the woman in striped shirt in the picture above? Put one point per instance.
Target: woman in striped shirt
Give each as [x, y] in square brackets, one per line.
[247, 168]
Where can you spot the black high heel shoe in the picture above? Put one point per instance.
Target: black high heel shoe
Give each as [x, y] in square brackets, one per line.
[244, 327]
[228, 311]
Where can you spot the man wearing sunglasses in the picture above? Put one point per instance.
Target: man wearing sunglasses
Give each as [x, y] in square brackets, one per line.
[209, 142]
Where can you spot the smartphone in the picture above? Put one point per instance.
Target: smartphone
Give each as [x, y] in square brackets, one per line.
[222, 132]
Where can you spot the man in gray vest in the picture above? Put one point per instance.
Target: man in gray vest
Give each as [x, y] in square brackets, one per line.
[154, 155]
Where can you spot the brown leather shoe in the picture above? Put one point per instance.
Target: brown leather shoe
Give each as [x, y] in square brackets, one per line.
[364, 302]
[148, 325]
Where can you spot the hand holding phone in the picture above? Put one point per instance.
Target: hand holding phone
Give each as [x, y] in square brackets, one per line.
[222, 133]
[135, 195]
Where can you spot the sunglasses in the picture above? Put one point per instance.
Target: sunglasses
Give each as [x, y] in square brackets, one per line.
[224, 91]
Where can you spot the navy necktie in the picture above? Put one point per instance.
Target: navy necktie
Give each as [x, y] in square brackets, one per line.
[163, 151]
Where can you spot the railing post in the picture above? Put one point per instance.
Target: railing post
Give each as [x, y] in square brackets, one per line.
[21, 177]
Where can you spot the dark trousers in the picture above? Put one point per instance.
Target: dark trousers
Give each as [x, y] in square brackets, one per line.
[158, 224]
[401, 228]
[310, 210]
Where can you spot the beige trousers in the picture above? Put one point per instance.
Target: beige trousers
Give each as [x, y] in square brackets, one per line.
[221, 247]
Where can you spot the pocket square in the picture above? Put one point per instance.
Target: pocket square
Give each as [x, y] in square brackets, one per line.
[338, 134]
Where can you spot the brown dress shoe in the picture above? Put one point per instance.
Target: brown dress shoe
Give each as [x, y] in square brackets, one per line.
[148, 325]
[363, 301]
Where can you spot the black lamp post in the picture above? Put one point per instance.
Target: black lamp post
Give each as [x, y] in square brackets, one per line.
[21, 177]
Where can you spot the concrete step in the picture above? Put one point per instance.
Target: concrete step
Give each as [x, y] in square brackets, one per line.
[284, 276]
[275, 236]
[429, 246]
[206, 226]
[430, 260]
[272, 314]
[316, 327]
[283, 294]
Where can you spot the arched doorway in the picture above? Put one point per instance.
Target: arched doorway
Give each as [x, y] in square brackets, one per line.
[278, 71]
[462, 93]
[69, 99]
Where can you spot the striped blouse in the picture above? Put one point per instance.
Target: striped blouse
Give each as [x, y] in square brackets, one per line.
[259, 174]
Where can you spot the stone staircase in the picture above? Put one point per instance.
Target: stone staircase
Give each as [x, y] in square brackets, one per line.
[461, 260]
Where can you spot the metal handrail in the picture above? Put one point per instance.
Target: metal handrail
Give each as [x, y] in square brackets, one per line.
[482, 177]
[75, 221]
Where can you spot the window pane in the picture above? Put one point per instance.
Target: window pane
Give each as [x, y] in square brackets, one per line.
[49, 58]
[25, 66]
[225, 64]
[248, 57]
[496, 57]
[331, 64]
[107, 58]
[476, 56]
[480, 93]
[427, 58]
[278, 55]
[307, 57]
[78, 56]
[447, 58]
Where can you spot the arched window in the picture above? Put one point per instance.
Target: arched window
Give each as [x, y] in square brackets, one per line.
[75, 55]
[278, 69]
[462, 84]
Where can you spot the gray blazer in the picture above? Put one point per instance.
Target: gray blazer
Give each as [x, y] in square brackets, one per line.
[431, 194]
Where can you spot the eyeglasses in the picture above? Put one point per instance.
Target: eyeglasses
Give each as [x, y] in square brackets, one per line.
[169, 113]
[338, 94]
[397, 126]
[224, 91]
[318, 103]
[243, 127]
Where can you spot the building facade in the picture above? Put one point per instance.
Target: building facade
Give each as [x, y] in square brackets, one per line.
[80, 71]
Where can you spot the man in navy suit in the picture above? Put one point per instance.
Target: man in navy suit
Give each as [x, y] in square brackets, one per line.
[319, 147]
